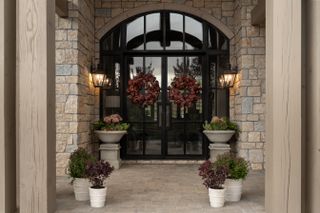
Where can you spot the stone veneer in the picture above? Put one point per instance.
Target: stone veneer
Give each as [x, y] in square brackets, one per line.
[77, 102]
[248, 96]
[76, 98]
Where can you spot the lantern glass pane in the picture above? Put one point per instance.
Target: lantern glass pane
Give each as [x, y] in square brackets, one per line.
[98, 79]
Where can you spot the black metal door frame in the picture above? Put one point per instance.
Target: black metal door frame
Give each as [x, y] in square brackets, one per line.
[164, 98]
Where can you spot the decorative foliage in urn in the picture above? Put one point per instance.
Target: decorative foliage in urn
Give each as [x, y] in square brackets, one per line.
[143, 89]
[184, 91]
[220, 130]
[111, 129]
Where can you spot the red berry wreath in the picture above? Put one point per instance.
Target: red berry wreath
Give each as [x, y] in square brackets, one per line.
[143, 89]
[184, 91]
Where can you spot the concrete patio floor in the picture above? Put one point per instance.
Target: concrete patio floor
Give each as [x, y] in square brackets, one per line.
[161, 188]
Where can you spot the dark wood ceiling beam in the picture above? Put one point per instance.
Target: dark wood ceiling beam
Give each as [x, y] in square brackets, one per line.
[258, 14]
[62, 8]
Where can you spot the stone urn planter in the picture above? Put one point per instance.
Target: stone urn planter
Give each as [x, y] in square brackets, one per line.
[110, 136]
[110, 130]
[216, 197]
[80, 187]
[219, 136]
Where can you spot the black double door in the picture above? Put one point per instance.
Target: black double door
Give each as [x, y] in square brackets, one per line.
[164, 130]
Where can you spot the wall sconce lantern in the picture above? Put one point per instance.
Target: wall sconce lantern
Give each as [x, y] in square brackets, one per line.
[228, 77]
[99, 78]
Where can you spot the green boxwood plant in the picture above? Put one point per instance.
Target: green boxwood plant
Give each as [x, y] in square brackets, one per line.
[238, 167]
[78, 162]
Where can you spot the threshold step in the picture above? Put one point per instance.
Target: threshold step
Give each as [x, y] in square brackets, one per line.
[163, 162]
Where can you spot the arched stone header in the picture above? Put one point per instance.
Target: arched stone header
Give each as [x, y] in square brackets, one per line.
[165, 6]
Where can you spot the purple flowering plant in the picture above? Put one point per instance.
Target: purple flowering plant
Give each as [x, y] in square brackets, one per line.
[213, 175]
[98, 172]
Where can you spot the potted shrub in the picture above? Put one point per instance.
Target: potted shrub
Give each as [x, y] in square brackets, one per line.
[76, 170]
[238, 170]
[214, 176]
[220, 130]
[111, 129]
[98, 172]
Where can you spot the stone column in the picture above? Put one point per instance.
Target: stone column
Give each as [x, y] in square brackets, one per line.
[7, 106]
[35, 108]
[284, 89]
[111, 152]
[218, 149]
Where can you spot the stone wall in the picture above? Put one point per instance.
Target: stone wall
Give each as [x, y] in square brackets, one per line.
[76, 98]
[76, 43]
[247, 102]
[106, 10]
[248, 96]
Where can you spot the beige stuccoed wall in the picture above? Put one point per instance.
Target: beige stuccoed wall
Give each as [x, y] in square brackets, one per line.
[7, 107]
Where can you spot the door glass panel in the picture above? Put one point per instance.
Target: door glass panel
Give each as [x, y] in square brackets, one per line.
[193, 67]
[176, 139]
[212, 38]
[194, 139]
[135, 139]
[193, 34]
[174, 32]
[113, 41]
[145, 120]
[154, 35]
[135, 34]
[175, 68]
[223, 43]
[152, 126]
[134, 112]
[153, 139]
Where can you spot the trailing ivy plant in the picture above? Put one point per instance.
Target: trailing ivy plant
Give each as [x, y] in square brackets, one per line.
[77, 163]
[238, 167]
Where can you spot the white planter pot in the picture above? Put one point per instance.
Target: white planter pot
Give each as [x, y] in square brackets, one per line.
[80, 188]
[219, 136]
[110, 136]
[233, 190]
[216, 197]
[98, 197]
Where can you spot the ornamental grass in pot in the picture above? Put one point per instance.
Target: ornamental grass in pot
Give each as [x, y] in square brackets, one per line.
[214, 176]
[76, 170]
[111, 129]
[220, 130]
[238, 169]
[98, 172]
